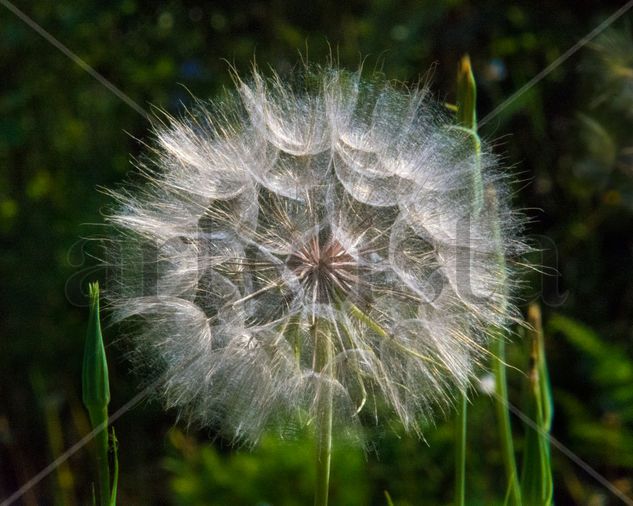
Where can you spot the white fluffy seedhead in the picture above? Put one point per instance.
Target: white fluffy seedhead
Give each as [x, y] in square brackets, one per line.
[324, 233]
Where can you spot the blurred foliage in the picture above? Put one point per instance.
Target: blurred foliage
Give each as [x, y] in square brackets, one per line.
[569, 140]
[274, 473]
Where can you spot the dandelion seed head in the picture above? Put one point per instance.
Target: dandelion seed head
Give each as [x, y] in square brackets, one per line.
[332, 213]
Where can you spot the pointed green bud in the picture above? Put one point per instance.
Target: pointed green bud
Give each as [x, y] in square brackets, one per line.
[466, 94]
[95, 383]
[536, 481]
[96, 394]
[466, 116]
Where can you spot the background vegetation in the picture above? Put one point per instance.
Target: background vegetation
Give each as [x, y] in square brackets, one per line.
[569, 140]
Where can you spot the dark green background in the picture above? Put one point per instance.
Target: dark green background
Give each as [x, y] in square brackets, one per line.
[569, 142]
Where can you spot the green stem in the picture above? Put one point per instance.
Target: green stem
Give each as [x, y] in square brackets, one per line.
[101, 446]
[467, 119]
[460, 453]
[324, 453]
[115, 474]
[501, 383]
[324, 354]
[503, 418]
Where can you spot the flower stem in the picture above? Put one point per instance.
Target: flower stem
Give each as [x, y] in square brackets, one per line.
[460, 452]
[505, 428]
[103, 468]
[501, 383]
[324, 352]
[467, 118]
[324, 453]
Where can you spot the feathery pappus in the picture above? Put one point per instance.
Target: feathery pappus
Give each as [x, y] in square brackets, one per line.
[325, 233]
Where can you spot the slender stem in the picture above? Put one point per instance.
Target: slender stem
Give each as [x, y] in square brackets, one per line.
[467, 119]
[501, 383]
[101, 447]
[115, 474]
[324, 353]
[503, 418]
[324, 453]
[460, 452]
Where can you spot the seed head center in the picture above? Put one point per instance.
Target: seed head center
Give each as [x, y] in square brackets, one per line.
[324, 268]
